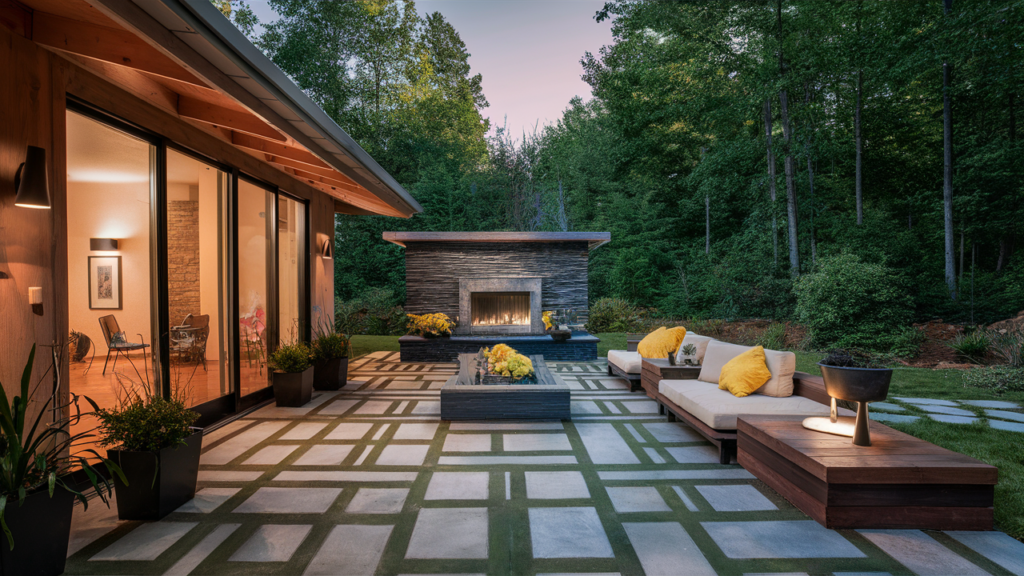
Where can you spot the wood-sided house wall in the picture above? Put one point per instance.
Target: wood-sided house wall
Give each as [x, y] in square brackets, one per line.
[33, 243]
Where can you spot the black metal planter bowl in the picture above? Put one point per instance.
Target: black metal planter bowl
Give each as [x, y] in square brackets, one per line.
[41, 529]
[560, 335]
[293, 389]
[330, 375]
[860, 385]
[175, 470]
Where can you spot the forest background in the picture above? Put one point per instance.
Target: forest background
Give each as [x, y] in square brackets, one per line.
[779, 159]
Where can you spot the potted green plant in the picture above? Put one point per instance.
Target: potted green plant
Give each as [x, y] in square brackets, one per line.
[153, 441]
[330, 359]
[37, 492]
[292, 374]
[688, 355]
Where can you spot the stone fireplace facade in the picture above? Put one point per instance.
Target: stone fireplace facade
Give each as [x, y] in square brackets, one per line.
[444, 269]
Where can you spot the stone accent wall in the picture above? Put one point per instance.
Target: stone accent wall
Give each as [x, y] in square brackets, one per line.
[182, 259]
[433, 270]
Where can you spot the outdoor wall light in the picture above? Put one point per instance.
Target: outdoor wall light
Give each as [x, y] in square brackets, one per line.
[326, 247]
[31, 182]
[97, 244]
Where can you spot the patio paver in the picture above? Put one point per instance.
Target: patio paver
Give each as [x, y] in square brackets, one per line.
[627, 493]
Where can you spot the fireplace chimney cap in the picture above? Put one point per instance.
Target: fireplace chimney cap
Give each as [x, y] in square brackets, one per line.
[593, 239]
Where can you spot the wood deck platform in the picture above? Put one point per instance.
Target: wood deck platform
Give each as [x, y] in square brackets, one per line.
[897, 482]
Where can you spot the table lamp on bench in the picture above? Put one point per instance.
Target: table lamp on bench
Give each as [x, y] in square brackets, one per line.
[860, 385]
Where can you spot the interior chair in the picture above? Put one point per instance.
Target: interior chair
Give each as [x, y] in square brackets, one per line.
[118, 344]
[200, 330]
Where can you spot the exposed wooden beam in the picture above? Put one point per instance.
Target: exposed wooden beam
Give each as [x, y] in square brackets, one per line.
[16, 17]
[327, 172]
[131, 80]
[199, 110]
[364, 200]
[290, 152]
[108, 44]
[343, 208]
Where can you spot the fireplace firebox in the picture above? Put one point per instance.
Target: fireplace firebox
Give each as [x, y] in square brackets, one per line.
[500, 308]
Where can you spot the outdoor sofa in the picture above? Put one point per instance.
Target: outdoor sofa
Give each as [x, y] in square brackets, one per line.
[627, 363]
[713, 412]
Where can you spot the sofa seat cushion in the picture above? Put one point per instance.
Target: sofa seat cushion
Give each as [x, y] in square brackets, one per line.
[628, 362]
[719, 408]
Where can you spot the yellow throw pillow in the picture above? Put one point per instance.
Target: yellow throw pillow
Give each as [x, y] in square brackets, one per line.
[745, 373]
[661, 342]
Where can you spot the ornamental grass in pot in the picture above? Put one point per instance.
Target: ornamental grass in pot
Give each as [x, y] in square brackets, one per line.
[292, 375]
[153, 441]
[330, 359]
[37, 490]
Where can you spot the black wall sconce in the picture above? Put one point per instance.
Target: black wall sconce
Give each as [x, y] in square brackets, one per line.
[97, 244]
[31, 181]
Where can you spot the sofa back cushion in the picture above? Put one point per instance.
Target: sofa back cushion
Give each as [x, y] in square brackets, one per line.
[699, 342]
[782, 365]
[745, 373]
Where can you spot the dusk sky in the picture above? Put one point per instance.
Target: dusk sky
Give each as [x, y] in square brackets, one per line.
[528, 52]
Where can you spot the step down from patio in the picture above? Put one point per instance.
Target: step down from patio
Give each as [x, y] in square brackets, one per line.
[897, 482]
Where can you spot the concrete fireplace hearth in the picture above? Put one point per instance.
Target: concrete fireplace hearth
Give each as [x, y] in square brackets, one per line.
[495, 285]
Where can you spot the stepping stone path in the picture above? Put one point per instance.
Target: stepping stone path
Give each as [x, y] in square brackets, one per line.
[997, 413]
[369, 480]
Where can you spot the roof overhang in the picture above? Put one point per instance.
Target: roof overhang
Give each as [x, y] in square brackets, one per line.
[593, 239]
[185, 57]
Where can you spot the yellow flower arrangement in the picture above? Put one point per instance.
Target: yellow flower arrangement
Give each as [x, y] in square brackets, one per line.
[546, 317]
[503, 360]
[428, 325]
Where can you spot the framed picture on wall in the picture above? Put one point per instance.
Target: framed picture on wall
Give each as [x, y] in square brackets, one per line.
[104, 282]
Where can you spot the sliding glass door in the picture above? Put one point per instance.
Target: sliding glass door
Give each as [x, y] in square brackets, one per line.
[256, 207]
[292, 294]
[198, 279]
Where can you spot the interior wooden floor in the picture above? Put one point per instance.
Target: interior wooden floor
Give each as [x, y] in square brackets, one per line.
[196, 384]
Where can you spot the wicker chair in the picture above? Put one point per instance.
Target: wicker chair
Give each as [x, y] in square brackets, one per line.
[190, 338]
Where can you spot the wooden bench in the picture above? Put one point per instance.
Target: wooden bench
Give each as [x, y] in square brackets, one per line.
[804, 384]
[897, 482]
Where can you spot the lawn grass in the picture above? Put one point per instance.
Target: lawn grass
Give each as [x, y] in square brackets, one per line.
[999, 448]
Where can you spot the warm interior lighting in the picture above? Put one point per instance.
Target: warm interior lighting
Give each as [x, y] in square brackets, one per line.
[501, 308]
[108, 244]
[31, 182]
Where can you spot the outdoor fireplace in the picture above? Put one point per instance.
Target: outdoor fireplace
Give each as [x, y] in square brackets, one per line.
[495, 286]
[500, 308]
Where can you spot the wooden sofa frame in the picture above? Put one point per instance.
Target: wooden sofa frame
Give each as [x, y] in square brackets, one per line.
[632, 341]
[804, 384]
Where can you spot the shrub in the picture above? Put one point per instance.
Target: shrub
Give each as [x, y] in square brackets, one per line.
[1009, 347]
[616, 315]
[773, 337]
[971, 346]
[375, 313]
[141, 421]
[854, 304]
[291, 358]
[430, 325]
[998, 378]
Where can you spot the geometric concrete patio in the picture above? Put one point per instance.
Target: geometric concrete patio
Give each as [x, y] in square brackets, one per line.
[368, 480]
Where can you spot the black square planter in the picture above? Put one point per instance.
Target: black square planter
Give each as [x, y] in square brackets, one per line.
[293, 389]
[41, 529]
[330, 375]
[176, 470]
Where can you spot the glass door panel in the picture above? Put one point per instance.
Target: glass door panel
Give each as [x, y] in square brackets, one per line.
[197, 279]
[255, 256]
[291, 270]
[110, 189]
